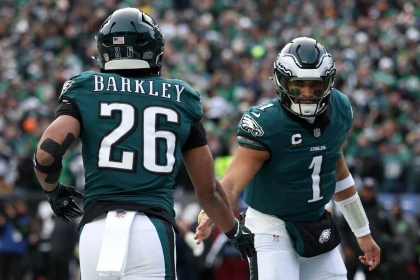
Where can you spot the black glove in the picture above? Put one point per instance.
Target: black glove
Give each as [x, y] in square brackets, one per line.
[242, 238]
[62, 203]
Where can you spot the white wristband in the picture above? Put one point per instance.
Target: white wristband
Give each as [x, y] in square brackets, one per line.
[365, 230]
[344, 184]
[355, 215]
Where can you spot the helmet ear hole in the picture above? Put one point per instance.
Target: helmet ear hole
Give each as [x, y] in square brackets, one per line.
[106, 42]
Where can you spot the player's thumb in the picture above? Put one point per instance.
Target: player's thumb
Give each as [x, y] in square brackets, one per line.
[77, 194]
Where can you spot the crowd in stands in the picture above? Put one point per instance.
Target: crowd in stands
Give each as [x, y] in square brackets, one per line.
[225, 49]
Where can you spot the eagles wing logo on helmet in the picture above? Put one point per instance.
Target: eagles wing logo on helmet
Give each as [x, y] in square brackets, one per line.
[249, 125]
[325, 236]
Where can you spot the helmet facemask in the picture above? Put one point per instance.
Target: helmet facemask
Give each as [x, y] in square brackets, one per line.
[306, 97]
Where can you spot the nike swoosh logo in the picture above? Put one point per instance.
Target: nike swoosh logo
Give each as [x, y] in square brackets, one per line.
[256, 114]
[245, 233]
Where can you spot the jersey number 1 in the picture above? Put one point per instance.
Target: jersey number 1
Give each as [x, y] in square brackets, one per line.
[316, 179]
[151, 138]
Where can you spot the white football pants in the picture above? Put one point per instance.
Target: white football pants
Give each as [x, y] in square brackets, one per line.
[151, 250]
[277, 260]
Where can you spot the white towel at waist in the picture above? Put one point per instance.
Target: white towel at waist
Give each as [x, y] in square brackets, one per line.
[115, 243]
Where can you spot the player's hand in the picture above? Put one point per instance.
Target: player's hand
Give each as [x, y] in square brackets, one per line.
[203, 229]
[372, 252]
[62, 202]
[243, 239]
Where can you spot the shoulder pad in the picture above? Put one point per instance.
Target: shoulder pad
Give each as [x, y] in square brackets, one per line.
[256, 117]
[187, 86]
[343, 102]
[74, 83]
[262, 110]
[341, 97]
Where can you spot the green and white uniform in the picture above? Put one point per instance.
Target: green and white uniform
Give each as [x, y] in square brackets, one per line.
[299, 178]
[133, 133]
[296, 182]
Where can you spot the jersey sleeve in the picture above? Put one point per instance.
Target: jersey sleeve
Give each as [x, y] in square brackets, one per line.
[348, 117]
[69, 90]
[73, 86]
[197, 106]
[68, 99]
[351, 117]
[196, 138]
[194, 106]
[251, 131]
[68, 107]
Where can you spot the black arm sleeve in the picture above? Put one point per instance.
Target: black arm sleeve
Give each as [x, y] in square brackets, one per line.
[197, 137]
[68, 107]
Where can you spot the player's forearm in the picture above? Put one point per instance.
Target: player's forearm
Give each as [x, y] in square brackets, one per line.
[55, 141]
[349, 203]
[344, 194]
[44, 161]
[46, 186]
[216, 206]
[232, 190]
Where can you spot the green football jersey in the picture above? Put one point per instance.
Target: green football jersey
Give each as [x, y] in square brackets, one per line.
[299, 179]
[133, 131]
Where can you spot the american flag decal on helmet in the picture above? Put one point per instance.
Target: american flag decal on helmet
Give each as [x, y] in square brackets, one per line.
[118, 40]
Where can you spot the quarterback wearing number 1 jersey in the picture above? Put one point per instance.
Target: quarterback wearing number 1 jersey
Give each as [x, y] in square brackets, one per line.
[290, 164]
[299, 179]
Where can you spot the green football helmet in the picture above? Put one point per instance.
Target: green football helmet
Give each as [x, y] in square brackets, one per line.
[130, 39]
[304, 61]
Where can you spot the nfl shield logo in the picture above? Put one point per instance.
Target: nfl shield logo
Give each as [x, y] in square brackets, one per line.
[120, 214]
[317, 132]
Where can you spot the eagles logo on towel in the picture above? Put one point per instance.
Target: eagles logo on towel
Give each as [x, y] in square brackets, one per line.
[249, 125]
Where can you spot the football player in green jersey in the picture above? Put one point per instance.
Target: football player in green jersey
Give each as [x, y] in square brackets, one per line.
[135, 127]
[290, 164]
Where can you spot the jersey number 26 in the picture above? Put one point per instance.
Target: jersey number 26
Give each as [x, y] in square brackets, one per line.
[150, 135]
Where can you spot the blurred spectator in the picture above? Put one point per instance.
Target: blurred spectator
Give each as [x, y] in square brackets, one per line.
[402, 255]
[6, 168]
[61, 252]
[14, 231]
[380, 228]
[413, 171]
